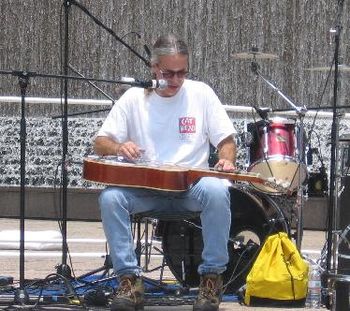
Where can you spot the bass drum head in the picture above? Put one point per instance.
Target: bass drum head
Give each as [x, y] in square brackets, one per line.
[285, 171]
[254, 216]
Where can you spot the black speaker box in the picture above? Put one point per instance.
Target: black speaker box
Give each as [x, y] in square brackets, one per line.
[342, 287]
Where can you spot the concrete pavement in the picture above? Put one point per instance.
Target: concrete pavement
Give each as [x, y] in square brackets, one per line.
[87, 248]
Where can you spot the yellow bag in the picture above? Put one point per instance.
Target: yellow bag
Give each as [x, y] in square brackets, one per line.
[279, 275]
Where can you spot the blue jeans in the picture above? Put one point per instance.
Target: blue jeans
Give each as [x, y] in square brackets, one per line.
[210, 196]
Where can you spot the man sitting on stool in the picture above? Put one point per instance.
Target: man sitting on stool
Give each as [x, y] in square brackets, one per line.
[171, 125]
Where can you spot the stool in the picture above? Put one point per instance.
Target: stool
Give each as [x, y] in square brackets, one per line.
[163, 219]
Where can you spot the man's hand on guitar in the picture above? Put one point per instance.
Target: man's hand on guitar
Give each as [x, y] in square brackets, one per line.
[130, 151]
[225, 165]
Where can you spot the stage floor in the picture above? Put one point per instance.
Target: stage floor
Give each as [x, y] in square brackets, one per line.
[87, 248]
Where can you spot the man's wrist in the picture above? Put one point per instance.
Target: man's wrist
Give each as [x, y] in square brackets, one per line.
[116, 149]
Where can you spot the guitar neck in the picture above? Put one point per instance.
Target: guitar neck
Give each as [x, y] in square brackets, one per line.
[195, 174]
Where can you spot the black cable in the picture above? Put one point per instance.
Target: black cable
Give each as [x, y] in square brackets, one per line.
[232, 277]
[69, 286]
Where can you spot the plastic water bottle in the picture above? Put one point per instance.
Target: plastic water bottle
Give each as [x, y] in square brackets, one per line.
[313, 298]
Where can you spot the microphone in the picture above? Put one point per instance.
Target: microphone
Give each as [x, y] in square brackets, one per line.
[149, 84]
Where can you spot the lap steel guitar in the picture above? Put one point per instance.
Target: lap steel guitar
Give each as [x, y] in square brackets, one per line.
[111, 170]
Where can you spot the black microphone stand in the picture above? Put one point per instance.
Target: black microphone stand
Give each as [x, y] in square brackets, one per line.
[64, 269]
[342, 290]
[334, 137]
[21, 295]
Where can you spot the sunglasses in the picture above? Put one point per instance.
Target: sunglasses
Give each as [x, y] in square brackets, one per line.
[169, 74]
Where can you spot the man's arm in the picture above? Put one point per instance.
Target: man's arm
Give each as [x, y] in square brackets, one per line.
[104, 145]
[227, 154]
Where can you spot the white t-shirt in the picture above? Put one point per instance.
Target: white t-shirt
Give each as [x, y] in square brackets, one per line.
[175, 130]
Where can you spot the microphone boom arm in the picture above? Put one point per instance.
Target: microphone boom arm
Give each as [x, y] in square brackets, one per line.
[28, 74]
[109, 30]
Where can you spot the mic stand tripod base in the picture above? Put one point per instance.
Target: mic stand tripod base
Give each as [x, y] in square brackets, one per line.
[21, 297]
[64, 270]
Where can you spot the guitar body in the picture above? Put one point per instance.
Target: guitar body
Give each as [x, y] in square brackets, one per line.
[109, 171]
[133, 175]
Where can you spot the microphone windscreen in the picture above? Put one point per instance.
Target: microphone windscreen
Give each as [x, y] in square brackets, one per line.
[162, 84]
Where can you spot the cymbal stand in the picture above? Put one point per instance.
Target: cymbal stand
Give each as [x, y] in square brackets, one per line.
[300, 111]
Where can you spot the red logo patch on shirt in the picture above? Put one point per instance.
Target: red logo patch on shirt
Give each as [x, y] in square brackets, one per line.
[187, 125]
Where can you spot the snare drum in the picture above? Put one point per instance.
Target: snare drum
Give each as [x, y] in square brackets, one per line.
[277, 150]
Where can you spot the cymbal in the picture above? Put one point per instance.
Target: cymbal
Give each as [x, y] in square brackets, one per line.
[341, 67]
[254, 55]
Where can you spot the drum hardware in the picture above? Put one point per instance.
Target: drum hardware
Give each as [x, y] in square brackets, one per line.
[299, 175]
[343, 238]
[309, 154]
[263, 112]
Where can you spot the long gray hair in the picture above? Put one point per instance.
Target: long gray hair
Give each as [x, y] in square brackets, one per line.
[168, 45]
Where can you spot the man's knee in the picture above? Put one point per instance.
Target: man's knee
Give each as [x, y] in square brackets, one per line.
[215, 187]
[110, 197]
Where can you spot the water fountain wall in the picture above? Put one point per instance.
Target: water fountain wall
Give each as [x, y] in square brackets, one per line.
[44, 141]
[44, 153]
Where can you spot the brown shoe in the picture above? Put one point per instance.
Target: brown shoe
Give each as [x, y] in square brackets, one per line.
[130, 294]
[210, 293]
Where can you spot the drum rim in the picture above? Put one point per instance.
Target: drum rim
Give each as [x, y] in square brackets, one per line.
[301, 166]
[280, 120]
[277, 157]
[259, 197]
